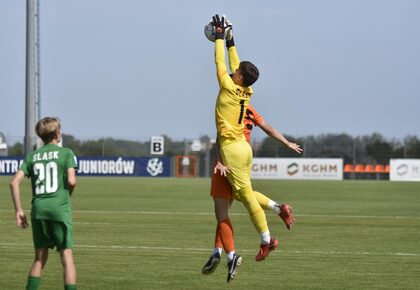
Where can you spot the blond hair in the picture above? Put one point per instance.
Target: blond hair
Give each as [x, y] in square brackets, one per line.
[48, 128]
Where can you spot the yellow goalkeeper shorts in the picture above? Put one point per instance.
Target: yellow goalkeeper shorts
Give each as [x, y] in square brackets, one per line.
[238, 157]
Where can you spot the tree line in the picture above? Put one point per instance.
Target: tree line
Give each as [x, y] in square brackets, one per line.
[374, 148]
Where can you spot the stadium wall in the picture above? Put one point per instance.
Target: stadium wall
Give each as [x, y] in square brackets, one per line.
[262, 168]
[106, 166]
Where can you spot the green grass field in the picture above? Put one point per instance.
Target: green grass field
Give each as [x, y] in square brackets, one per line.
[140, 233]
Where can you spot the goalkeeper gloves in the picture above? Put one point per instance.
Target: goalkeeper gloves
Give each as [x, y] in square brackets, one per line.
[219, 26]
[228, 29]
[229, 33]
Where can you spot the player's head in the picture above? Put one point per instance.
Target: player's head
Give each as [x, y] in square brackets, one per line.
[48, 129]
[248, 73]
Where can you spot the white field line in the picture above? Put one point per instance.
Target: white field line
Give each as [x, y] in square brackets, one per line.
[233, 214]
[111, 247]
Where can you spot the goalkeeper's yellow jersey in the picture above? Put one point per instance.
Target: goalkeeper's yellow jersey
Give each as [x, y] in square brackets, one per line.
[232, 101]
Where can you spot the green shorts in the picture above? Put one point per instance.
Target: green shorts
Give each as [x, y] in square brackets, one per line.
[50, 234]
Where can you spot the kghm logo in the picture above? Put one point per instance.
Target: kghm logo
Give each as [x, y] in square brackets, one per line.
[264, 168]
[402, 169]
[292, 169]
[319, 168]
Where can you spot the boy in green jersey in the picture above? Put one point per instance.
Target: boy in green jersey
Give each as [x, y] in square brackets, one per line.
[52, 170]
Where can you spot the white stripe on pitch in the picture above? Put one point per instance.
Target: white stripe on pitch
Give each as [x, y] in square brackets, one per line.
[111, 247]
[240, 214]
[233, 214]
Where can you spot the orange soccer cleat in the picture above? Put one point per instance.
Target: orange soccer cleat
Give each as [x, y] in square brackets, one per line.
[266, 249]
[286, 214]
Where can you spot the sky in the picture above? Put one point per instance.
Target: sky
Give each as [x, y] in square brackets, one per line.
[132, 69]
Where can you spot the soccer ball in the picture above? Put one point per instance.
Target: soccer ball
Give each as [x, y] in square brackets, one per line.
[210, 33]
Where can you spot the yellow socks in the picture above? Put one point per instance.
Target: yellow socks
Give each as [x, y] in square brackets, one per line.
[256, 213]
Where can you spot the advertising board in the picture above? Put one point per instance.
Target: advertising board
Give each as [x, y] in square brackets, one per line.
[297, 168]
[404, 170]
[105, 166]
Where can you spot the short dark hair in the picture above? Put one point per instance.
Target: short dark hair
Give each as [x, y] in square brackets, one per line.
[249, 73]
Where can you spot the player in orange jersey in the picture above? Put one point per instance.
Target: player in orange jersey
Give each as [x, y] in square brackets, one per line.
[221, 192]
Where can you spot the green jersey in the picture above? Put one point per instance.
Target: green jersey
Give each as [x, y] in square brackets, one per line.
[47, 168]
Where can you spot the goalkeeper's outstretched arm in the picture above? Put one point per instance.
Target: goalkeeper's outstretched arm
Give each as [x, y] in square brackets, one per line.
[233, 57]
[219, 50]
[230, 45]
[219, 56]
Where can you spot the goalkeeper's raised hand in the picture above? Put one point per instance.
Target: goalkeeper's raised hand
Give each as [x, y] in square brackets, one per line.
[219, 26]
[229, 33]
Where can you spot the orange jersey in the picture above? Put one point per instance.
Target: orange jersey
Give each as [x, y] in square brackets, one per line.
[252, 118]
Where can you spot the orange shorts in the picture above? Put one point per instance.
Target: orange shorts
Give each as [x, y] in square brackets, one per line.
[220, 187]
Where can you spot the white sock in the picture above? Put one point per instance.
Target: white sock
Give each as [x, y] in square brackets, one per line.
[218, 250]
[230, 255]
[265, 238]
[274, 206]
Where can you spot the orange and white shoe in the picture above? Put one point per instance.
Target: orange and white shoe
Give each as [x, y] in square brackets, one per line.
[266, 249]
[286, 214]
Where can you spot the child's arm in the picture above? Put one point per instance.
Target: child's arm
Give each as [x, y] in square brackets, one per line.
[15, 190]
[273, 132]
[219, 50]
[219, 57]
[71, 179]
[232, 53]
[233, 56]
[219, 166]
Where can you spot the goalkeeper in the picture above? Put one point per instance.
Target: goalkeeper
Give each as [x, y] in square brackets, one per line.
[221, 192]
[235, 93]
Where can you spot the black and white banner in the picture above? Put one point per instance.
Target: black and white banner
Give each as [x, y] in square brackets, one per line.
[297, 168]
[404, 170]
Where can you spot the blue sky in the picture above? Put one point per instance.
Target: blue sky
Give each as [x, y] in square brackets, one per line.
[132, 69]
